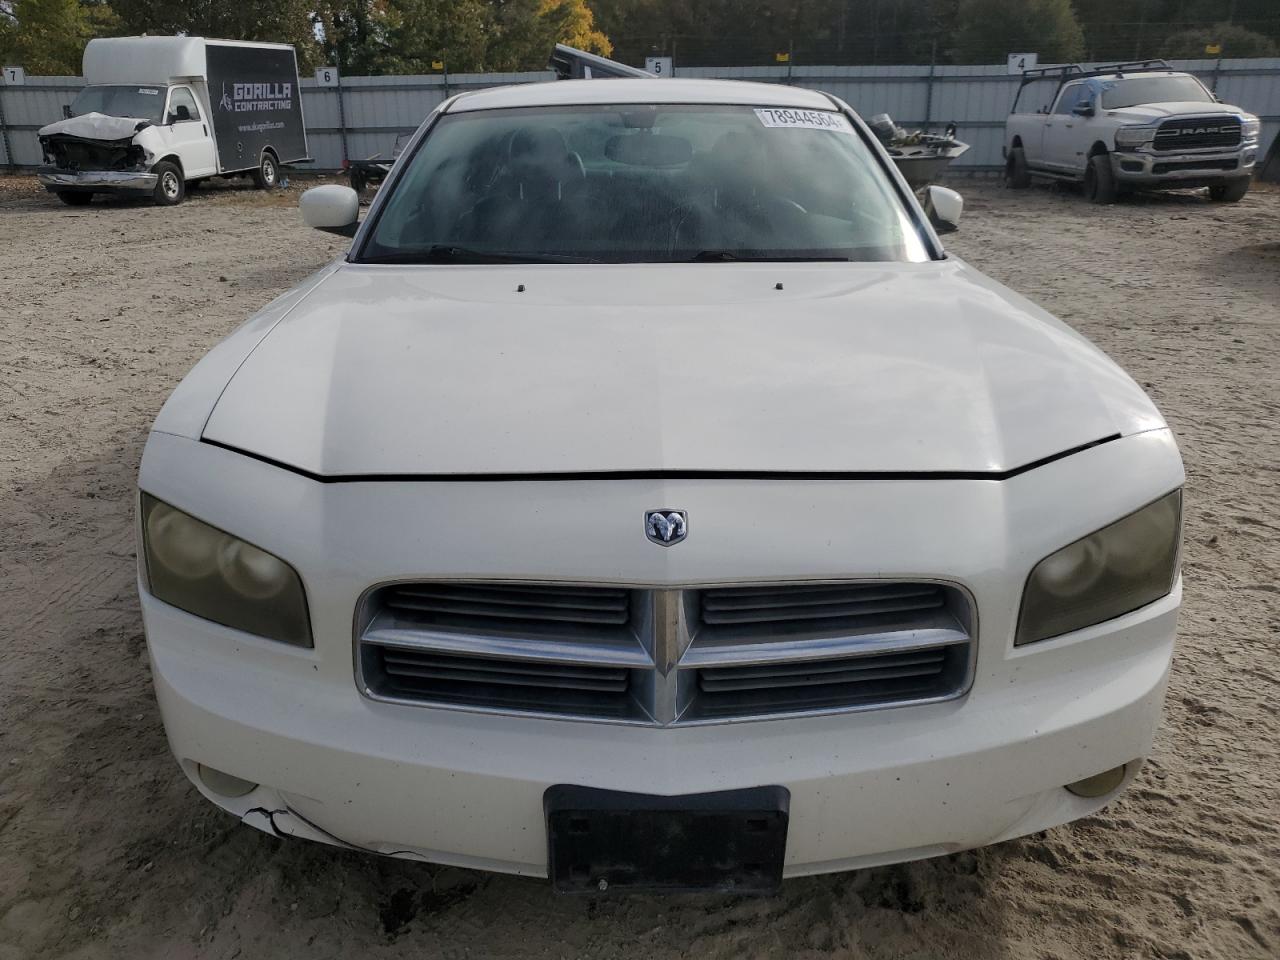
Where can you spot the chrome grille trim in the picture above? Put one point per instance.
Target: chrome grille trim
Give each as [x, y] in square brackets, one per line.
[665, 655]
[1173, 135]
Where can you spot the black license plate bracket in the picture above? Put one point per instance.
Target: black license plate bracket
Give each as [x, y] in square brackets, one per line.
[605, 840]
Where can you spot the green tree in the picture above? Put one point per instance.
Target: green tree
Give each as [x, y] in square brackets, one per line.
[990, 29]
[279, 21]
[355, 34]
[1235, 41]
[47, 37]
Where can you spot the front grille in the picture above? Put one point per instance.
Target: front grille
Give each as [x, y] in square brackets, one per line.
[541, 686]
[1173, 167]
[741, 610]
[1198, 133]
[519, 609]
[827, 684]
[665, 656]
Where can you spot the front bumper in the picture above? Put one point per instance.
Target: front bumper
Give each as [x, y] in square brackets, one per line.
[96, 180]
[465, 788]
[1146, 167]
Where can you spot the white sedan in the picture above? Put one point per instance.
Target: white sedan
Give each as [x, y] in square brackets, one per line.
[647, 500]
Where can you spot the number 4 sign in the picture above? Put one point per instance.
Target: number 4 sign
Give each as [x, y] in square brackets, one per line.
[1022, 61]
[14, 76]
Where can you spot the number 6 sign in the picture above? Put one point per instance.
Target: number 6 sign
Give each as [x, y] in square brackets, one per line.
[327, 76]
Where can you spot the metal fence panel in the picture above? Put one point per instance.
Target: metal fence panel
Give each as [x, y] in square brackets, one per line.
[365, 115]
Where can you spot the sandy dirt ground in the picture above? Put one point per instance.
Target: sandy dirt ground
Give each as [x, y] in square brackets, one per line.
[106, 851]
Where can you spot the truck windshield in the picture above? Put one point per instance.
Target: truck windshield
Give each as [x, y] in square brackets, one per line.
[132, 101]
[1137, 90]
[642, 183]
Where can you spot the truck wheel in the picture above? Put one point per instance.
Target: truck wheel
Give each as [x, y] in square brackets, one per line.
[74, 198]
[170, 188]
[267, 174]
[1099, 182]
[1232, 192]
[1016, 174]
[358, 181]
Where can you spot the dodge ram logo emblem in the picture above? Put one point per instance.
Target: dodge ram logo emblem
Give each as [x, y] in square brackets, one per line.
[666, 527]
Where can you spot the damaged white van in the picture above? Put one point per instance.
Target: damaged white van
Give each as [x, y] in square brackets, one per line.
[161, 113]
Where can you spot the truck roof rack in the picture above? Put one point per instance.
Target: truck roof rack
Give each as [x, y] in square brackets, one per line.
[570, 63]
[1076, 71]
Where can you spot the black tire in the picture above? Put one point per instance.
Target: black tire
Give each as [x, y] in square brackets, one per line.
[358, 180]
[1099, 182]
[1016, 174]
[267, 176]
[1232, 192]
[171, 187]
[74, 198]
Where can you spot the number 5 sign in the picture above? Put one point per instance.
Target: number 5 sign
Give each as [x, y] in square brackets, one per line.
[14, 76]
[327, 76]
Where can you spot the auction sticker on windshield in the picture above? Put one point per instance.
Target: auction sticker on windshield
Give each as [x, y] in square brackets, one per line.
[805, 119]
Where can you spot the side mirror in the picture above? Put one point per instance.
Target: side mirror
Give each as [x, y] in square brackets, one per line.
[1083, 109]
[332, 208]
[943, 207]
[180, 114]
[66, 111]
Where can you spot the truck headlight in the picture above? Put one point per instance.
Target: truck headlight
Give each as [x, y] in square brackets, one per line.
[1250, 128]
[1134, 136]
[211, 574]
[1122, 567]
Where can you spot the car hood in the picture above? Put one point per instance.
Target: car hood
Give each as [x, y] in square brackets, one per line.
[565, 369]
[1159, 111]
[96, 126]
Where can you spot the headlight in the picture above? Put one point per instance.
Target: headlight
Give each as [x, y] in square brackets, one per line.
[214, 575]
[1122, 567]
[1250, 128]
[1134, 136]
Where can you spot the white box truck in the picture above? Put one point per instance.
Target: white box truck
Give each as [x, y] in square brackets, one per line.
[160, 113]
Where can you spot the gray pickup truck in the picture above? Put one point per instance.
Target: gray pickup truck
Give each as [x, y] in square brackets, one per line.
[1128, 126]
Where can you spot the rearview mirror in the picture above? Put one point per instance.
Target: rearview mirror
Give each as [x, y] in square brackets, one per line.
[180, 114]
[943, 207]
[649, 150]
[1083, 109]
[332, 208]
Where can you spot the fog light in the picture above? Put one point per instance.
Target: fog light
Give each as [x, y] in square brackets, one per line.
[1100, 784]
[224, 784]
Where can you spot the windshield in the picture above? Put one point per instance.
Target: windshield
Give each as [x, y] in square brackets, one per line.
[1130, 93]
[142, 103]
[642, 183]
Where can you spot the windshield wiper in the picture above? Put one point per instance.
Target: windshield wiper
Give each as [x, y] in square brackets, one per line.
[749, 256]
[450, 253]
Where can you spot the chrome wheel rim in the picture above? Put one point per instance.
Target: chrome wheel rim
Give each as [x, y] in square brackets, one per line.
[169, 184]
[268, 171]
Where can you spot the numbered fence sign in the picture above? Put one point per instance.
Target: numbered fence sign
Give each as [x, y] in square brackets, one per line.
[658, 66]
[1022, 61]
[327, 76]
[14, 76]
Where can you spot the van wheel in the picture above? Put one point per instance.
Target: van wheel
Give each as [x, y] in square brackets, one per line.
[1232, 192]
[267, 174]
[1016, 174]
[1099, 182]
[74, 198]
[170, 188]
